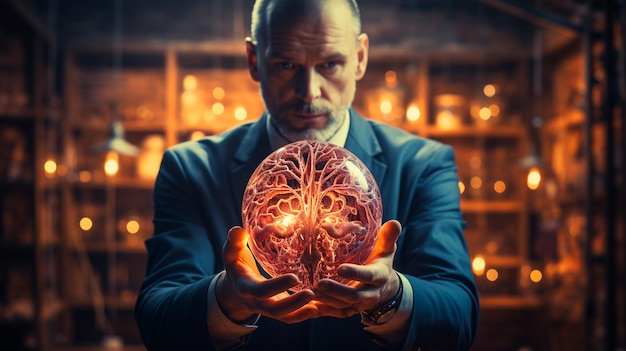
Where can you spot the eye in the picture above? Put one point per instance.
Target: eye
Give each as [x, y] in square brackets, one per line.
[284, 65]
[330, 65]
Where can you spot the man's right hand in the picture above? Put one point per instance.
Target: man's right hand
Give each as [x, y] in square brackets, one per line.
[242, 292]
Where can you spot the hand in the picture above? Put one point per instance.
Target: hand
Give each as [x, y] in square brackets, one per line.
[242, 292]
[372, 284]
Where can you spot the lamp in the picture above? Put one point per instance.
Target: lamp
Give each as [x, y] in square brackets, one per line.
[532, 162]
[116, 141]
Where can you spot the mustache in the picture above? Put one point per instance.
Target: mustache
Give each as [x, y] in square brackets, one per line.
[309, 109]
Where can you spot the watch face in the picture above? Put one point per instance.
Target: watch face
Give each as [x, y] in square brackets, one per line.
[385, 317]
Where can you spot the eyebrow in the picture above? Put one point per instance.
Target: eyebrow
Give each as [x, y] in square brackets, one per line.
[289, 55]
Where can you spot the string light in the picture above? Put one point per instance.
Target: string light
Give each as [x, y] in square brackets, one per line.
[391, 79]
[241, 113]
[499, 186]
[478, 265]
[50, 167]
[132, 226]
[489, 90]
[217, 108]
[476, 182]
[196, 135]
[84, 176]
[219, 93]
[85, 224]
[386, 107]
[492, 275]
[536, 276]
[111, 164]
[190, 82]
[189, 98]
[534, 178]
[494, 109]
[484, 113]
[413, 113]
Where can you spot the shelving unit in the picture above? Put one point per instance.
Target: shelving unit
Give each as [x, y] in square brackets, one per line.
[165, 96]
[499, 227]
[584, 143]
[31, 306]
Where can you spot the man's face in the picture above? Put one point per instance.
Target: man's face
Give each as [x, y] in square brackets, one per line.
[307, 67]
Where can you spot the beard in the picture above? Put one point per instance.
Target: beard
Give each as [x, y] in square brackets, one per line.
[280, 116]
[280, 121]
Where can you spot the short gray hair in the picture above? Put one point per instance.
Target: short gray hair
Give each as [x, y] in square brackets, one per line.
[260, 16]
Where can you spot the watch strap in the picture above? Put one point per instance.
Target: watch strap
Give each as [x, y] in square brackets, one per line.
[393, 305]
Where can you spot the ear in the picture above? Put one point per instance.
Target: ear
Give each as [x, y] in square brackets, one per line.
[251, 57]
[363, 49]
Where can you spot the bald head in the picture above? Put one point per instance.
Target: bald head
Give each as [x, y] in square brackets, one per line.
[266, 11]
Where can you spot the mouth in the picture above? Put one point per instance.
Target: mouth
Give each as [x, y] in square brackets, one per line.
[310, 115]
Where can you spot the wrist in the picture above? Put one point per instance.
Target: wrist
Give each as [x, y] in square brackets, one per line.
[384, 312]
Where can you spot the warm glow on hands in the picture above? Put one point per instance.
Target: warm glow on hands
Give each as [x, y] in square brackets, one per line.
[243, 292]
[371, 283]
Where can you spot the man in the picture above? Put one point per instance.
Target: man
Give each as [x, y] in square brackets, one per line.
[203, 290]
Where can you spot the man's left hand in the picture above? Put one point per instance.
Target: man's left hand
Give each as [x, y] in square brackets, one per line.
[373, 283]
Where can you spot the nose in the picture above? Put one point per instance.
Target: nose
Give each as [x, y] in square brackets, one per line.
[308, 85]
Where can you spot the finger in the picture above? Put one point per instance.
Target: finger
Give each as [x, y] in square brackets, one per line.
[336, 294]
[270, 287]
[238, 258]
[279, 308]
[375, 273]
[329, 311]
[328, 300]
[386, 241]
[306, 312]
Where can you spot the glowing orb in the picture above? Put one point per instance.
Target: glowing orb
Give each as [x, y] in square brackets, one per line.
[309, 207]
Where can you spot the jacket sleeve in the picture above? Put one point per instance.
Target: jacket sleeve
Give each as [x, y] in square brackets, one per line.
[433, 254]
[172, 303]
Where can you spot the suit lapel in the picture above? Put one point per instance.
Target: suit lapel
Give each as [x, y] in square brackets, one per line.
[252, 150]
[362, 142]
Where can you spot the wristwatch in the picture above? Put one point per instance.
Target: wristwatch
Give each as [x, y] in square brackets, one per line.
[384, 313]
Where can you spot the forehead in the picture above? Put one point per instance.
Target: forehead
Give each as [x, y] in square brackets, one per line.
[324, 26]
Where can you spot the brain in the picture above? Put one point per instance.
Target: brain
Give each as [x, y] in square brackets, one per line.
[309, 207]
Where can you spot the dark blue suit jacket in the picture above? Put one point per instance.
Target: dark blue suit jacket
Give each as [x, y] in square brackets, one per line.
[197, 200]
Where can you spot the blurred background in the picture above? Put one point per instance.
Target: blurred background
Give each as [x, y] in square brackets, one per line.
[531, 95]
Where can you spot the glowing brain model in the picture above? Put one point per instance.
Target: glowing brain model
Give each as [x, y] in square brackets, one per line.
[309, 207]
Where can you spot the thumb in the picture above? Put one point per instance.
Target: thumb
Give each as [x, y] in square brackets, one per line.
[386, 242]
[235, 243]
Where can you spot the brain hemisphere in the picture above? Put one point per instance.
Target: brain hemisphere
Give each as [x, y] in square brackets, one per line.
[309, 207]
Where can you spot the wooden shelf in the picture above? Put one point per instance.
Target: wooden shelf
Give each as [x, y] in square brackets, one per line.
[510, 302]
[118, 182]
[492, 206]
[500, 132]
[53, 310]
[129, 126]
[100, 348]
[504, 261]
[120, 248]
[109, 303]
[17, 115]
